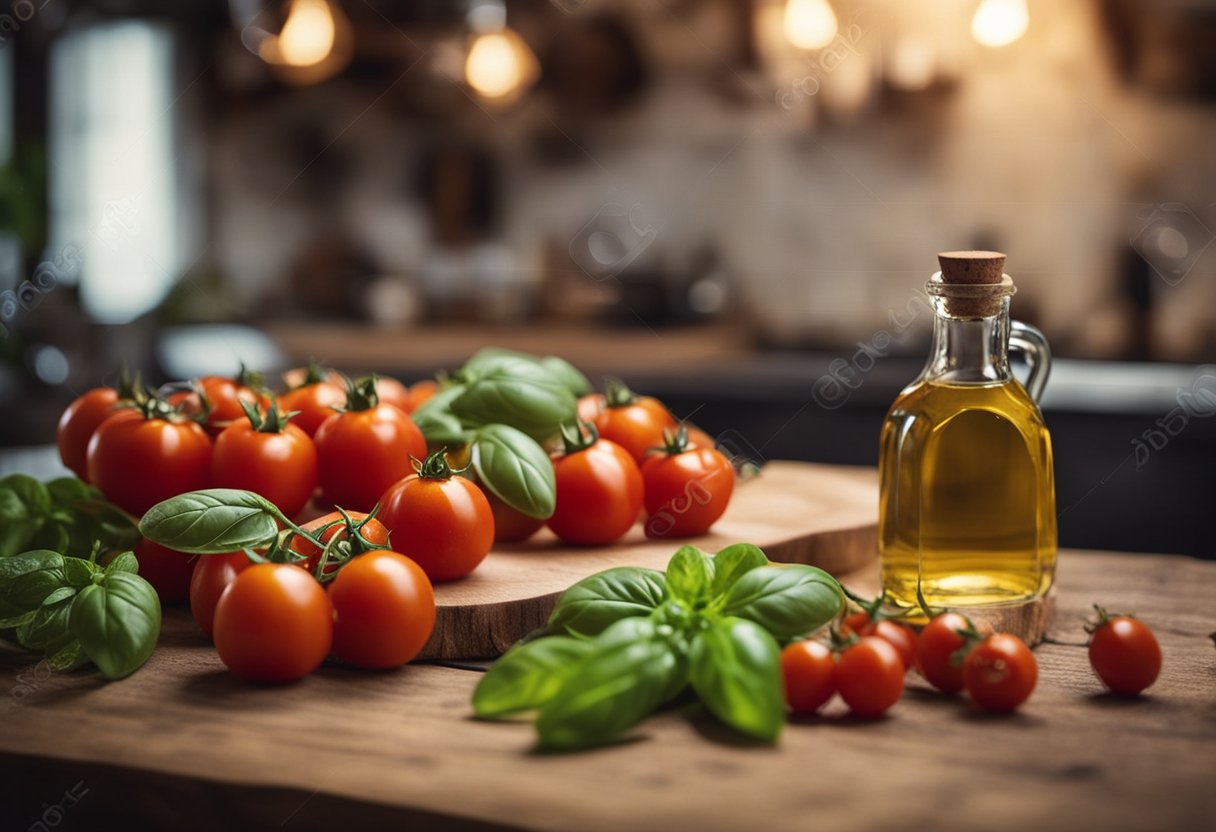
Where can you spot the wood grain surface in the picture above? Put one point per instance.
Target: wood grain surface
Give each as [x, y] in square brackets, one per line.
[798, 512]
[184, 745]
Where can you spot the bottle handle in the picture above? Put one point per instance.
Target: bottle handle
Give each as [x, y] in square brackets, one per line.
[1030, 341]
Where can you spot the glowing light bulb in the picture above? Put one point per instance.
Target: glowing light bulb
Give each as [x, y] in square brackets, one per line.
[1000, 22]
[809, 24]
[307, 37]
[499, 64]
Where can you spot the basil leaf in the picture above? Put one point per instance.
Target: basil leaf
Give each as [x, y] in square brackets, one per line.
[735, 668]
[117, 622]
[17, 528]
[78, 572]
[32, 494]
[519, 393]
[212, 522]
[68, 657]
[27, 579]
[733, 562]
[595, 603]
[513, 466]
[568, 374]
[631, 671]
[125, 562]
[690, 575]
[788, 601]
[12, 622]
[48, 630]
[440, 427]
[528, 675]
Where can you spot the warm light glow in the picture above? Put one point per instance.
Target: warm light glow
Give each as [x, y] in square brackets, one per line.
[498, 64]
[809, 24]
[1000, 22]
[307, 37]
[912, 64]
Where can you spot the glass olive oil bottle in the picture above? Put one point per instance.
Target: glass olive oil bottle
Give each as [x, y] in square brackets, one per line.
[967, 509]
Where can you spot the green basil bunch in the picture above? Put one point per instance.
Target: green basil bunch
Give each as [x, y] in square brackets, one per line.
[623, 642]
[63, 515]
[504, 404]
[76, 611]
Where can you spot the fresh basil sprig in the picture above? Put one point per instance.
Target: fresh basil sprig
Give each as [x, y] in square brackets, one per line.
[63, 515]
[212, 521]
[623, 642]
[75, 611]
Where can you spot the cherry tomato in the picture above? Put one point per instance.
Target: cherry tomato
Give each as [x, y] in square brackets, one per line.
[372, 531]
[636, 423]
[273, 623]
[510, 525]
[938, 643]
[590, 407]
[314, 402]
[384, 610]
[420, 391]
[902, 637]
[599, 493]
[224, 395]
[870, 676]
[808, 672]
[442, 522]
[686, 489]
[167, 570]
[211, 576]
[76, 426]
[138, 461]
[272, 458]
[311, 374]
[698, 438]
[1000, 672]
[1124, 653]
[364, 450]
[393, 392]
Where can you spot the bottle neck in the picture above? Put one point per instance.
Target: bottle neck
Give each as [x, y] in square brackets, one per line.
[969, 350]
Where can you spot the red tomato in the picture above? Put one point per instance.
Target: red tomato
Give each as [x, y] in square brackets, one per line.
[363, 451]
[511, 526]
[384, 610]
[698, 438]
[686, 489]
[211, 576]
[76, 426]
[636, 423]
[313, 373]
[137, 461]
[901, 636]
[808, 672]
[590, 407]
[938, 642]
[224, 395]
[419, 392]
[167, 570]
[393, 392]
[599, 494]
[442, 522]
[274, 624]
[333, 524]
[870, 676]
[1000, 672]
[277, 461]
[315, 403]
[1124, 653]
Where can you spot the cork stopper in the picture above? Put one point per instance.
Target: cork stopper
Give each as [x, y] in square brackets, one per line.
[972, 282]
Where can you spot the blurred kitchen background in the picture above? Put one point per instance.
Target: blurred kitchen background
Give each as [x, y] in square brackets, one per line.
[732, 204]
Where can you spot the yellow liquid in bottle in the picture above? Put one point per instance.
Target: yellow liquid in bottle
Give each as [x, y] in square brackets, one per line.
[967, 513]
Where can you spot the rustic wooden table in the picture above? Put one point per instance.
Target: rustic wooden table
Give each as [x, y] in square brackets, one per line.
[184, 745]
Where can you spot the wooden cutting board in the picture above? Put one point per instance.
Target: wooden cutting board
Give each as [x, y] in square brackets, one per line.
[798, 512]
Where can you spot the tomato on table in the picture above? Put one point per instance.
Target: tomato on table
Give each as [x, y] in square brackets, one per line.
[685, 489]
[273, 624]
[1123, 652]
[936, 646]
[84, 415]
[442, 522]
[870, 676]
[168, 571]
[599, 490]
[808, 674]
[148, 453]
[901, 636]
[636, 423]
[384, 610]
[314, 397]
[1000, 672]
[211, 576]
[357, 532]
[267, 455]
[364, 450]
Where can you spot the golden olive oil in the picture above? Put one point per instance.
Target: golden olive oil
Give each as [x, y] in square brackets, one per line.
[967, 513]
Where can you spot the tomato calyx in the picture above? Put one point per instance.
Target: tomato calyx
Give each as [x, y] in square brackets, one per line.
[1104, 617]
[252, 379]
[361, 395]
[879, 608]
[617, 394]
[579, 436]
[436, 466]
[273, 421]
[336, 552]
[674, 443]
[314, 373]
[971, 637]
